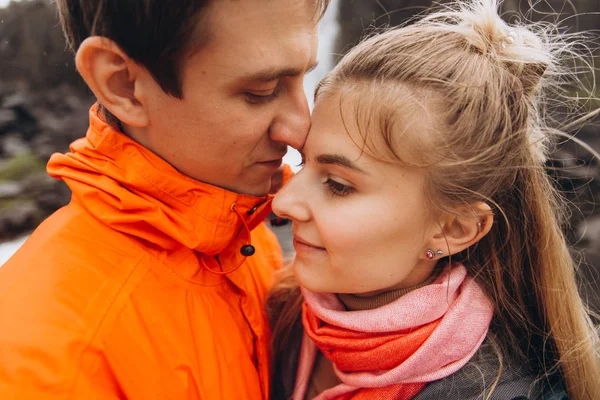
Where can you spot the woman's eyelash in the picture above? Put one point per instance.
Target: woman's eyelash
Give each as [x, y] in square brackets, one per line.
[339, 189]
[302, 161]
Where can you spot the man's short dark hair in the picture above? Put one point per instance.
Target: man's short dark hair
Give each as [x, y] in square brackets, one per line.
[156, 34]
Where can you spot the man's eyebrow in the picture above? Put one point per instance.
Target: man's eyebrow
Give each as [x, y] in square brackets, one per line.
[340, 160]
[270, 75]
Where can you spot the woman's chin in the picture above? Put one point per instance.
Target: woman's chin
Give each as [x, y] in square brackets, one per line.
[309, 278]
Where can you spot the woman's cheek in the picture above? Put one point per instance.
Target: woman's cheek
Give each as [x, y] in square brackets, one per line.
[342, 230]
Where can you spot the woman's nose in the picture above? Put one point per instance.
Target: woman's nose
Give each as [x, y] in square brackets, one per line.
[291, 202]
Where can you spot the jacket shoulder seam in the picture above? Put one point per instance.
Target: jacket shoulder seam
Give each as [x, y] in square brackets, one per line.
[98, 326]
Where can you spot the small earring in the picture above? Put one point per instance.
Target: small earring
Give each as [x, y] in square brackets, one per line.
[430, 254]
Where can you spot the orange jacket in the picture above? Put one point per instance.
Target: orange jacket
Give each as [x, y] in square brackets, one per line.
[110, 298]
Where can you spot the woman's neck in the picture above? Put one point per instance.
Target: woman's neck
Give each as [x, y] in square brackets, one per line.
[354, 302]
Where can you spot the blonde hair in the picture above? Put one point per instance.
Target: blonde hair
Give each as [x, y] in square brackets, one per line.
[487, 86]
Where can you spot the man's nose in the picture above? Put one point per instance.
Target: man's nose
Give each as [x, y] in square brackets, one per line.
[293, 120]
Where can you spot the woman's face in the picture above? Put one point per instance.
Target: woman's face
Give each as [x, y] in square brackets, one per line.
[360, 224]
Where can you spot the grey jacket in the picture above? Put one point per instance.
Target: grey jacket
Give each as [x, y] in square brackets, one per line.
[474, 381]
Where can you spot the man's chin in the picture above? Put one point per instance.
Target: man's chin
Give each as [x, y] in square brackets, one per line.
[257, 184]
[258, 190]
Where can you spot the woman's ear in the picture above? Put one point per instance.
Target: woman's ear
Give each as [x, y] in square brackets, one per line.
[113, 77]
[458, 231]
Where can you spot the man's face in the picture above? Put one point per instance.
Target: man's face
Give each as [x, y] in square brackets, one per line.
[243, 99]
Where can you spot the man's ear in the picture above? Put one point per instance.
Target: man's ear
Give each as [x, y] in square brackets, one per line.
[113, 77]
[462, 229]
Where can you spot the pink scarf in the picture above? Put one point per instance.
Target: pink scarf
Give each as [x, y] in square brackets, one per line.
[454, 305]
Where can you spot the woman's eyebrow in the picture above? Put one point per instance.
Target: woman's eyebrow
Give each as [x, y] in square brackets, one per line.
[342, 161]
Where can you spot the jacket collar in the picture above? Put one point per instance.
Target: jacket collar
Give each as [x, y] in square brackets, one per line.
[135, 192]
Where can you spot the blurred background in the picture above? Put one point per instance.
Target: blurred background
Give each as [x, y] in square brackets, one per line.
[44, 105]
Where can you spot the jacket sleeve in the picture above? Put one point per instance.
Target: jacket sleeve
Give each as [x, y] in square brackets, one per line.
[42, 356]
[45, 350]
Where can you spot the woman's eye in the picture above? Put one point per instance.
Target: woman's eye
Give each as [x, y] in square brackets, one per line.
[339, 189]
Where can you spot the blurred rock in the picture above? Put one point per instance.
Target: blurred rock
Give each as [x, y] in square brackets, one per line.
[7, 117]
[23, 215]
[43, 108]
[591, 229]
[44, 146]
[25, 203]
[10, 189]
[13, 145]
[17, 99]
[19, 167]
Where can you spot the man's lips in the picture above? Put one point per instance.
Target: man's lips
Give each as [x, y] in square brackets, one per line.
[272, 163]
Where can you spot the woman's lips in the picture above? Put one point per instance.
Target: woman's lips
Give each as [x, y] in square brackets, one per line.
[302, 246]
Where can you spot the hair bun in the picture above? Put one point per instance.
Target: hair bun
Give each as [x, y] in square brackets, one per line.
[513, 48]
[524, 49]
[530, 75]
